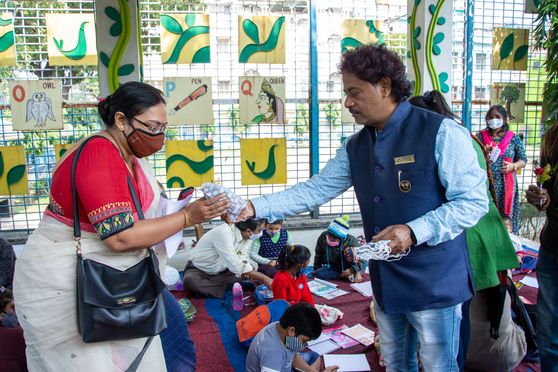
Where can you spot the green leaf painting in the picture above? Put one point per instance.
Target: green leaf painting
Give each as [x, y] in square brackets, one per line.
[15, 175]
[126, 69]
[255, 45]
[116, 28]
[269, 171]
[176, 37]
[199, 167]
[104, 59]
[510, 49]
[6, 41]
[79, 51]
[1, 164]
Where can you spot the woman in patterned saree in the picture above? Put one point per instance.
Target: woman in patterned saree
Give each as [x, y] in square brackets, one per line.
[507, 156]
[45, 284]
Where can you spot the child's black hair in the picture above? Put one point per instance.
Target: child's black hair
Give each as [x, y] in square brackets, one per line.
[250, 224]
[276, 222]
[291, 255]
[304, 318]
[6, 297]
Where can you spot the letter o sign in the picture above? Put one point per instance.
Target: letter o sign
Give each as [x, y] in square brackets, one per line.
[18, 92]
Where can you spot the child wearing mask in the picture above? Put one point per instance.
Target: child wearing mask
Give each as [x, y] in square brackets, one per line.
[335, 253]
[265, 250]
[8, 316]
[289, 283]
[277, 346]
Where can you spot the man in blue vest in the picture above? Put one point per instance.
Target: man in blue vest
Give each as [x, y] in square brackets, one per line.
[418, 184]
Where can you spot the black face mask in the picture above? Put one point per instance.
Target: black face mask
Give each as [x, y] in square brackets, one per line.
[144, 143]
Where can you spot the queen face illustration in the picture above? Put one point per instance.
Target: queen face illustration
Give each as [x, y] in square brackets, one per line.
[270, 107]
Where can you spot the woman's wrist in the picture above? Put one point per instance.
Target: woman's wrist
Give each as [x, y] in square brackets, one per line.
[186, 218]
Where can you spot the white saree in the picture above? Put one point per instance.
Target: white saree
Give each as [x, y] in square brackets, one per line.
[45, 298]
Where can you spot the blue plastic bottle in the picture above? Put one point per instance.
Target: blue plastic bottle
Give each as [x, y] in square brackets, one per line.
[237, 302]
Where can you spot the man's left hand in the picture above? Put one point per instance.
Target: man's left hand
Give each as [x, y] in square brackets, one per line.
[400, 236]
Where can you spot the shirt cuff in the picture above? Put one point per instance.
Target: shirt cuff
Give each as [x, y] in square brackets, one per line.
[421, 229]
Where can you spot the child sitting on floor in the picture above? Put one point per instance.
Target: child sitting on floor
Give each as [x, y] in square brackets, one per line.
[277, 346]
[514, 238]
[335, 253]
[266, 249]
[289, 283]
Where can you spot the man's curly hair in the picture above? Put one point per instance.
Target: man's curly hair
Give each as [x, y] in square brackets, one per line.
[372, 63]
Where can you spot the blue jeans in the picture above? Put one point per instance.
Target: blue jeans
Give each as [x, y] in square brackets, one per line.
[464, 335]
[326, 273]
[547, 310]
[178, 347]
[437, 332]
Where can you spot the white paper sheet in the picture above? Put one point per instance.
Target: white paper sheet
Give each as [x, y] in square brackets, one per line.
[167, 207]
[323, 337]
[530, 281]
[364, 288]
[347, 362]
[324, 347]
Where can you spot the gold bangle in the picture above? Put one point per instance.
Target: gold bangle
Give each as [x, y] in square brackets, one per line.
[186, 218]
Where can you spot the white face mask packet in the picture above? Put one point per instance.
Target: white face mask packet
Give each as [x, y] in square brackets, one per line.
[237, 204]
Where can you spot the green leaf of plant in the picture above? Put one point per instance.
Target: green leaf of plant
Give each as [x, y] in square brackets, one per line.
[15, 174]
[432, 9]
[416, 44]
[126, 69]
[251, 30]
[507, 46]
[441, 21]
[416, 32]
[6, 41]
[438, 38]
[1, 164]
[190, 19]
[104, 59]
[520, 53]
[170, 24]
[436, 50]
[113, 14]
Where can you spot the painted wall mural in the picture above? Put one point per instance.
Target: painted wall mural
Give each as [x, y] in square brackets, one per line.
[71, 39]
[36, 104]
[263, 161]
[511, 96]
[13, 175]
[185, 38]
[189, 100]
[510, 47]
[532, 6]
[357, 32]
[118, 44]
[7, 40]
[261, 39]
[430, 47]
[189, 163]
[60, 150]
[262, 99]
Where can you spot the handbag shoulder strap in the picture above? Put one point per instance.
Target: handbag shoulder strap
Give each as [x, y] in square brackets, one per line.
[77, 229]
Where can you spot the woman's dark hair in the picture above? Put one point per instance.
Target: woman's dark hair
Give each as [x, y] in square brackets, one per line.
[292, 255]
[273, 100]
[502, 111]
[372, 63]
[304, 318]
[433, 101]
[250, 224]
[131, 99]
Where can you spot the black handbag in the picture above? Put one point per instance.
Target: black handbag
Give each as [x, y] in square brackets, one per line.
[113, 304]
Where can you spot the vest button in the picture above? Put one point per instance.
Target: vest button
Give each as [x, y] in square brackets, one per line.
[376, 230]
[377, 199]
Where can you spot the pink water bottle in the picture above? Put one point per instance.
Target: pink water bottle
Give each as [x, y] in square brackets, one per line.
[237, 302]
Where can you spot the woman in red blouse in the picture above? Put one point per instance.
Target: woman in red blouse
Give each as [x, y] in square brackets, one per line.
[290, 283]
[136, 120]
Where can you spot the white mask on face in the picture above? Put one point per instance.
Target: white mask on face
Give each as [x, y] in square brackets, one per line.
[495, 123]
[256, 236]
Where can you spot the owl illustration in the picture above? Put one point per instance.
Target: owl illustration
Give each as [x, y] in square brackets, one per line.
[39, 107]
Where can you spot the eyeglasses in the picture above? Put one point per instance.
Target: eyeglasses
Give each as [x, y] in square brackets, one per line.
[153, 129]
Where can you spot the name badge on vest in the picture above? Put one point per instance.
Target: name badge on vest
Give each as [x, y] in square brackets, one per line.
[404, 185]
[407, 159]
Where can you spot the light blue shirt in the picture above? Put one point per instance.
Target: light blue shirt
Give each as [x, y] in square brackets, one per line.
[458, 169]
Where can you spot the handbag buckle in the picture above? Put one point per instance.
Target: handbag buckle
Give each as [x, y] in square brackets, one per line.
[78, 245]
[126, 300]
